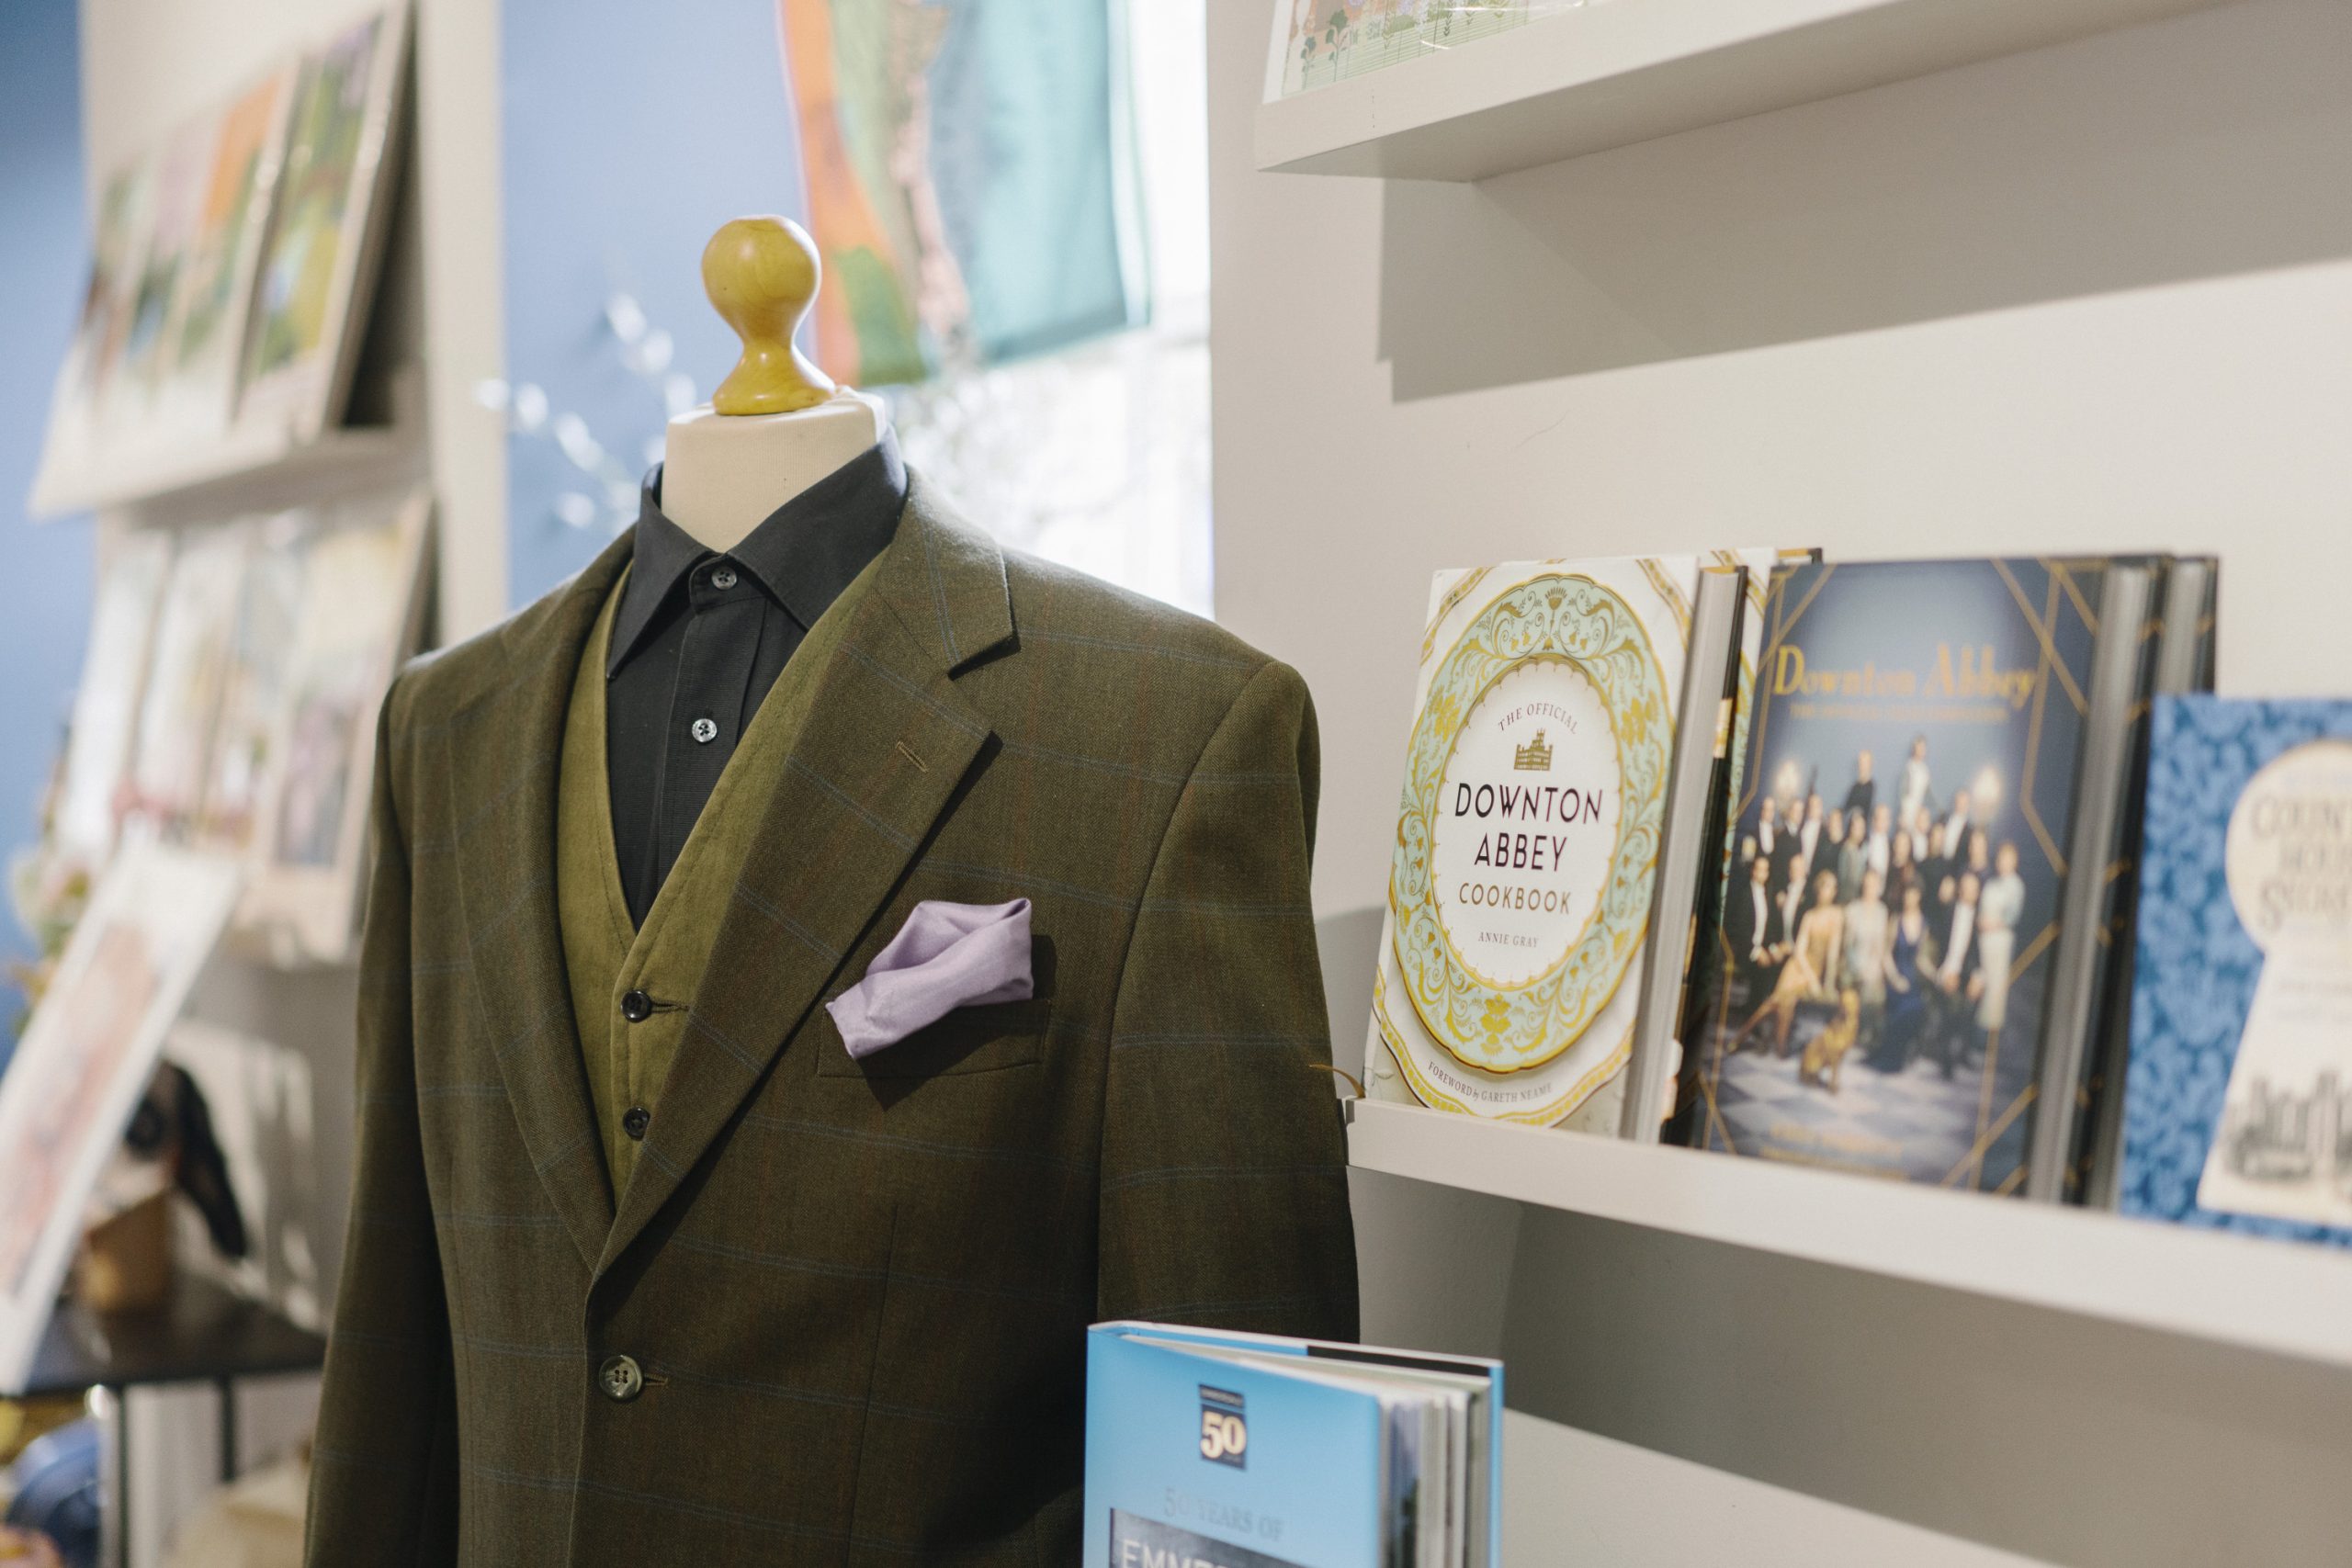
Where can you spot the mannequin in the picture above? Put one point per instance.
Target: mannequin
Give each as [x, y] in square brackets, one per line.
[778, 424]
[750, 1225]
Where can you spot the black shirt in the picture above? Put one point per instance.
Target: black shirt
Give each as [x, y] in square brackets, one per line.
[699, 638]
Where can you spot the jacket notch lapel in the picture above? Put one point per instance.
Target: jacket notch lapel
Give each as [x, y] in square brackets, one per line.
[888, 743]
[504, 759]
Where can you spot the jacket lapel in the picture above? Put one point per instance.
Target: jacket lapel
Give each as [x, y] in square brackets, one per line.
[504, 754]
[888, 741]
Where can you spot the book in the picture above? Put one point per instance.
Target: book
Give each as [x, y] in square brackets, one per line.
[2186, 622]
[2237, 1098]
[1904, 963]
[1553, 700]
[1250, 1450]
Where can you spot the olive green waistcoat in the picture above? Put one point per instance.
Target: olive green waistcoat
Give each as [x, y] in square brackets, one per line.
[606, 958]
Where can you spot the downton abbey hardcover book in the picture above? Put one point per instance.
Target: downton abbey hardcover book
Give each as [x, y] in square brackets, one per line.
[1529, 833]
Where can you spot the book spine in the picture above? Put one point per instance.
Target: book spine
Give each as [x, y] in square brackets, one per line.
[2184, 663]
[1688, 855]
[2101, 779]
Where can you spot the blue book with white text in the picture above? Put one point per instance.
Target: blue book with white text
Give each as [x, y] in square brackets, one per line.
[1208, 1450]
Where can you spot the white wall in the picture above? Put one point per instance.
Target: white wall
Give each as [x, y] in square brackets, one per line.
[2095, 296]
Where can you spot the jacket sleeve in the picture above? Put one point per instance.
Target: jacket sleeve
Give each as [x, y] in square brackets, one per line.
[383, 1484]
[1224, 1176]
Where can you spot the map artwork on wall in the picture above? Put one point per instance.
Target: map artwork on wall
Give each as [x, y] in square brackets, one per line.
[971, 180]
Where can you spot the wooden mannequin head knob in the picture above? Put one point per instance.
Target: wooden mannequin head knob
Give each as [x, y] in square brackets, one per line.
[761, 274]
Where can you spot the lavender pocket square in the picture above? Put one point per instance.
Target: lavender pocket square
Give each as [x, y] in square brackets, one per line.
[947, 956]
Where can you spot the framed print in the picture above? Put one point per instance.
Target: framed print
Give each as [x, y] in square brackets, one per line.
[118, 250]
[84, 1061]
[1319, 42]
[187, 666]
[105, 706]
[180, 166]
[361, 613]
[207, 331]
[326, 229]
[255, 660]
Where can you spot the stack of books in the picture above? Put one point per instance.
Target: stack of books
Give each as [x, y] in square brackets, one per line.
[1208, 1450]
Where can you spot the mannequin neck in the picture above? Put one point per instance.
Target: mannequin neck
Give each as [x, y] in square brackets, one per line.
[723, 475]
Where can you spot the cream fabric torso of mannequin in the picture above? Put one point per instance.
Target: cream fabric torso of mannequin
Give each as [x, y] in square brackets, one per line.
[723, 475]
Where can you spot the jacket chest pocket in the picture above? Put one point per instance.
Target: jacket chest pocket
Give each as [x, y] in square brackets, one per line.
[987, 1039]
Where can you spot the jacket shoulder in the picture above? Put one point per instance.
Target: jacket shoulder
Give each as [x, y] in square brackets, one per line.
[436, 685]
[1059, 610]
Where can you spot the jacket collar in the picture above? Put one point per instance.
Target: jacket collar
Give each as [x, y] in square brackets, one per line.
[887, 743]
[803, 555]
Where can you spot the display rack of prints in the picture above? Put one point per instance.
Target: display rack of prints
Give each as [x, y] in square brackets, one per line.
[232, 268]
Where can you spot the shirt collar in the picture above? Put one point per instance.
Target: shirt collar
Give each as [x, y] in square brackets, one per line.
[804, 553]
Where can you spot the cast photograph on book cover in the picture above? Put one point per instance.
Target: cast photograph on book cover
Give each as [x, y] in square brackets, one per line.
[1882, 962]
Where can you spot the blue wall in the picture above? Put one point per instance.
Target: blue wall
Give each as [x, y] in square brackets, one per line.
[43, 259]
[630, 133]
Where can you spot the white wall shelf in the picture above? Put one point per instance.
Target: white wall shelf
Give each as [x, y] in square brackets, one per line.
[1610, 72]
[2234, 1289]
[258, 454]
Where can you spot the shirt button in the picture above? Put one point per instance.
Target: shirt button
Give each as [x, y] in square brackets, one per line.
[635, 1119]
[636, 1007]
[723, 578]
[704, 731]
[620, 1379]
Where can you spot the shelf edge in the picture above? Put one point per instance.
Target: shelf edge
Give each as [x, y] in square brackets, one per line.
[2252, 1292]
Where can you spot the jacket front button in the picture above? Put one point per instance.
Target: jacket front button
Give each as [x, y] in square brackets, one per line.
[620, 1379]
[636, 1007]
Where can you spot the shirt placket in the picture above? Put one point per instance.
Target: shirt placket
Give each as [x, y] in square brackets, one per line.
[715, 656]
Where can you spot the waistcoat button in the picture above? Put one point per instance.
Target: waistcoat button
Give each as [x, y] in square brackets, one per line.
[635, 1119]
[636, 1007]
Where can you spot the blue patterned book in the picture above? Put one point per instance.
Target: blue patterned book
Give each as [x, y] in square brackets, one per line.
[2238, 1094]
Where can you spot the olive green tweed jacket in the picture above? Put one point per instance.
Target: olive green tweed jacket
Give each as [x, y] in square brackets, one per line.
[857, 1294]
